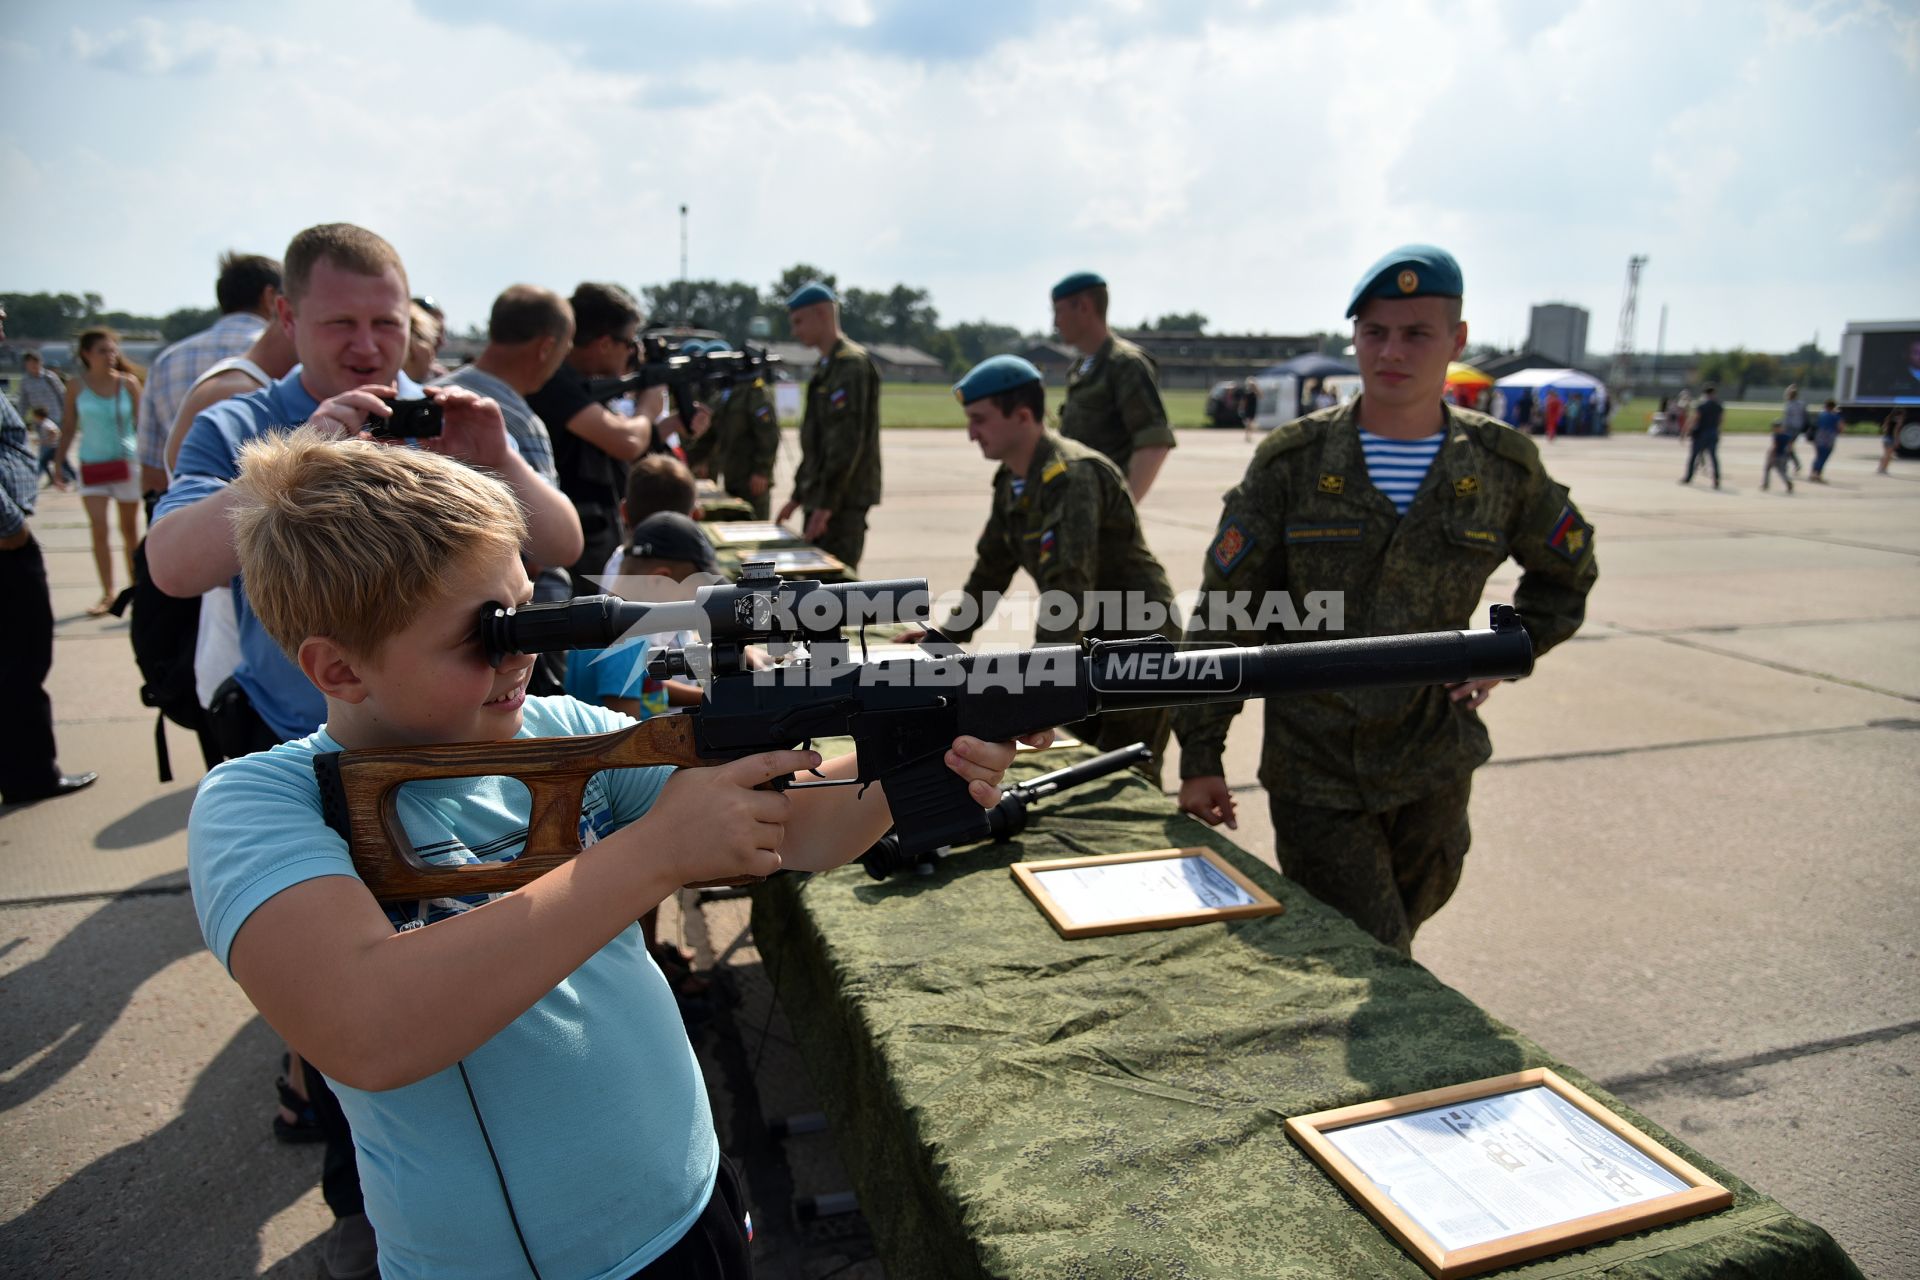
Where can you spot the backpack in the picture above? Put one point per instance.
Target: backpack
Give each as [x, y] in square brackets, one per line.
[164, 630]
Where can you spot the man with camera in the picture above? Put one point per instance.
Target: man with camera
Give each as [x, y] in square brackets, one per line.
[592, 444]
[346, 307]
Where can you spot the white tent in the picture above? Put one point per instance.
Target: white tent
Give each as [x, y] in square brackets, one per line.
[1554, 380]
[1508, 391]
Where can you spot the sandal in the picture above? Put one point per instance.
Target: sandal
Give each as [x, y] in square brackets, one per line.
[305, 1127]
[100, 608]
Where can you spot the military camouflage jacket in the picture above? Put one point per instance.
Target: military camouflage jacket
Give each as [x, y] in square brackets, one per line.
[1070, 523]
[744, 437]
[1306, 518]
[1113, 402]
[840, 435]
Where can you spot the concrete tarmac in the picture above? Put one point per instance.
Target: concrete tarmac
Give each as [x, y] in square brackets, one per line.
[1694, 860]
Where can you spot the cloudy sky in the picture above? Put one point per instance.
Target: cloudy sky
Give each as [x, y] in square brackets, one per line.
[1241, 159]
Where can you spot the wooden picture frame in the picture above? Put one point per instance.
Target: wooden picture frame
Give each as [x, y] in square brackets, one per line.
[1065, 913]
[803, 561]
[750, 533]
[1697, 1194]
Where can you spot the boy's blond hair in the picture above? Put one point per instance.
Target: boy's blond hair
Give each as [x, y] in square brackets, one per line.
[347, 539]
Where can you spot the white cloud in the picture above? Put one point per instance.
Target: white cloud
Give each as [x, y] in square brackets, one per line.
[1245, 163]
[189, 47]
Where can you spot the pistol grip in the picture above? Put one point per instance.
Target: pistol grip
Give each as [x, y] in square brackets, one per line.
[931, 808]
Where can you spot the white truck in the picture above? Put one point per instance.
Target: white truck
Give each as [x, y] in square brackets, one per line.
[1878, 372]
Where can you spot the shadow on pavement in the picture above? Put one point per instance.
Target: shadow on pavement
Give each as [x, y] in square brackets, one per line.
[190, 1199]
[155, 820]
[61, 1004]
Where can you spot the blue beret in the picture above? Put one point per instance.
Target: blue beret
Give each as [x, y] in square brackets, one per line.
[992, 376]
[1411, 271]
[1078, 282]
[808, 294]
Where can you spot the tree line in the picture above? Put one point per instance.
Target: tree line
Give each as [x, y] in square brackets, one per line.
[62, 315]
[903, 314]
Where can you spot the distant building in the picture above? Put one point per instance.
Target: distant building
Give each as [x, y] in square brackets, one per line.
[1559, 332]
[1198, 360]
[1052, 359]
[901, 363]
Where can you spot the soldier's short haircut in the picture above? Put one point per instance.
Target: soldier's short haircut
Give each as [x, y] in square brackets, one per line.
[1031, 396]
[1708, 390]
[659, 482]
[527, 313]
[243, 277]
[346, 246]
[600, 310]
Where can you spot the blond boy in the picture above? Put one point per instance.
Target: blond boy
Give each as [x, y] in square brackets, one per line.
[521, 1092]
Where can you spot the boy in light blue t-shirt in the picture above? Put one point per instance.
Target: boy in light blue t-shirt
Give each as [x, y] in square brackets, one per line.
[522, 1095]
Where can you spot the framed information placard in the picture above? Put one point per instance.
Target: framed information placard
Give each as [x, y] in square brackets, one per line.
[1484, 1175]
[1129, 892]
[799, 562]
[748, 533]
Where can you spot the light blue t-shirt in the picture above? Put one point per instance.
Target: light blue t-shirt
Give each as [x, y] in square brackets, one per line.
[593, 1098]
[617, 671]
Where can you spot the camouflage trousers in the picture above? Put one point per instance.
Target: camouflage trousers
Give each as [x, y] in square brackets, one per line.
[762, 505]
[845, 536]
[1389, 872]
[1112, 730]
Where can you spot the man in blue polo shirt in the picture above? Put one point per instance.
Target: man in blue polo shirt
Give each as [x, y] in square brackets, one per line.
[347, 307]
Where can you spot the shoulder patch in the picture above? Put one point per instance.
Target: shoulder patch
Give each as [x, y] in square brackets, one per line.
[1230, 546]
[1053, 471]
[837, 397]
[1570, 535]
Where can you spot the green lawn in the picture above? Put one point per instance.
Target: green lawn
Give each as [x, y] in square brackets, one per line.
[1741, 419]
[912, 406]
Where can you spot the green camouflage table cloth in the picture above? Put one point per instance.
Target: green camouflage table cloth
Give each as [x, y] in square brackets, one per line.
[1016, 1105]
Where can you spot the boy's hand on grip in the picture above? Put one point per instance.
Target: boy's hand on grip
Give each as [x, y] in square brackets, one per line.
[984, 764]
[721, 824]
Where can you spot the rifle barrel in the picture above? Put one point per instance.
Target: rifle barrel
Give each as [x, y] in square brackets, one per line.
[1128, 677]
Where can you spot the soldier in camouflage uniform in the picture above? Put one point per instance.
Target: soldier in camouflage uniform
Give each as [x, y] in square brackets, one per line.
[1368, 790]
[1113, 392]
[1062, 513]
[839, 476]
[740, 446]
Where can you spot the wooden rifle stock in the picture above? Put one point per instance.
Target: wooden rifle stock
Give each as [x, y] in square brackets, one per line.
[361, 790]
